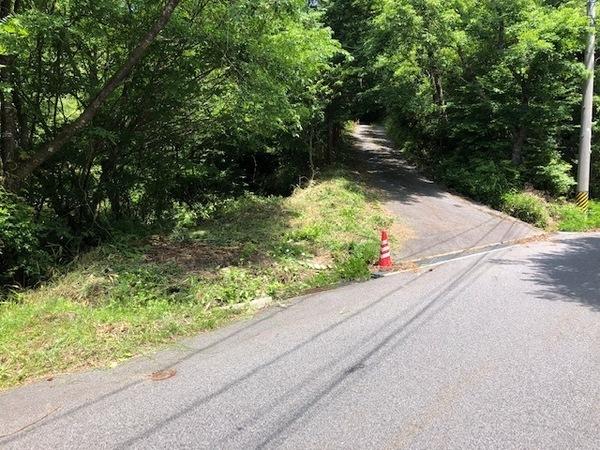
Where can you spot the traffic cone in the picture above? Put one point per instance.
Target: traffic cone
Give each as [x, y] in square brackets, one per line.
[385, 258]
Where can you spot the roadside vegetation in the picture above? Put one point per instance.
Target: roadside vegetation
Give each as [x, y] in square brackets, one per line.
[229, 98]
[571, 218]
[551, 214]
[140, 291]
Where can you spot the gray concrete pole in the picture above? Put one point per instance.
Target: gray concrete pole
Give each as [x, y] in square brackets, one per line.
[585, 145]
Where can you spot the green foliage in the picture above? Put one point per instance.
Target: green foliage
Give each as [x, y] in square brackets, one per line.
[572, 218]
[469, 85]
[21, 256]
[355, 266]
[555, 177]
[527, 207]
[230, 98]
[483, 180]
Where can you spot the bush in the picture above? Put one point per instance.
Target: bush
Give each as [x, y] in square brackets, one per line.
[482, 179]
[554, 177]
[571, 218]
[21, 256]
[356, 265]
[527, 207]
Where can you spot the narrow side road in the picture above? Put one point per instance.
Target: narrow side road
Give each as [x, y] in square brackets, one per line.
[497, 350]
[441, 222]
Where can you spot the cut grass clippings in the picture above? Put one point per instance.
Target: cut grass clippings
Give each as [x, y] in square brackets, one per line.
[134, 295]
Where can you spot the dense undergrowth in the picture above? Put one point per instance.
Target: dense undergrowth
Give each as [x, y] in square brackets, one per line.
[228, 98]
[140, 291]
[551, 214]
[500, 184]
[571, 218]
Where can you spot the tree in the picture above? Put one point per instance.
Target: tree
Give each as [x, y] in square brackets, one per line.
[498, 81]
[47, 150]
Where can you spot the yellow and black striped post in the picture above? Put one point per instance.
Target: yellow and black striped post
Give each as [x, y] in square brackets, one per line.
[583, 201]
[587, 114]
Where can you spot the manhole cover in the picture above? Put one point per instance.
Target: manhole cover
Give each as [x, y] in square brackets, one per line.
[163, 375]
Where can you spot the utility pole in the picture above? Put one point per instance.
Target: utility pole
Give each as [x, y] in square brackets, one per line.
[585, 144]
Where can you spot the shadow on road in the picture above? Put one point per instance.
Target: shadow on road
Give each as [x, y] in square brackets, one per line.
[442, 223]
[197, 353]
[366, 352]
[376, 157]
[369, 351]
[572, 272]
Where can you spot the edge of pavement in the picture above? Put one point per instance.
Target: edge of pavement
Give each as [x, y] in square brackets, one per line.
[434, 260]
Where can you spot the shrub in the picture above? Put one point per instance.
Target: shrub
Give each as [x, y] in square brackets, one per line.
[21, 256]
[356, 265]
[554, 177]
[527, 207]
[482, 179]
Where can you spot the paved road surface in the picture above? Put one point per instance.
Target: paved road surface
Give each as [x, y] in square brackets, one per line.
[442, 223]
[497, 350]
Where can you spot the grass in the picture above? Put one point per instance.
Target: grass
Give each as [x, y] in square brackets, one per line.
[134, 295]
[552, 215]
[571, 218]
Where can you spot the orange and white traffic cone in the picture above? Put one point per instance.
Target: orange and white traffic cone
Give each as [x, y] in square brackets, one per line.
[385, 257]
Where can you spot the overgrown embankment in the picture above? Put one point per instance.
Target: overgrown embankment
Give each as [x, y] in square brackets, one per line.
[136, 293]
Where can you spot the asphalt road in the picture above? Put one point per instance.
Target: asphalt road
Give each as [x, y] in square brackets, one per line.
[496, 350]
[441, 222]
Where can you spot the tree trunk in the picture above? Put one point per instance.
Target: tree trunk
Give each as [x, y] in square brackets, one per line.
[66, 134]
[501, 35]
[9, 143]
[520, 131]
[311, 160]
[333, 138]
[439, 90]
[518, 142]
[437, 84]
[22, 120]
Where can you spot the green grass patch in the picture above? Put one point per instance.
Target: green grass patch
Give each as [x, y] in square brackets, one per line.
[551, 215]
[571, 218]
[129, 297]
